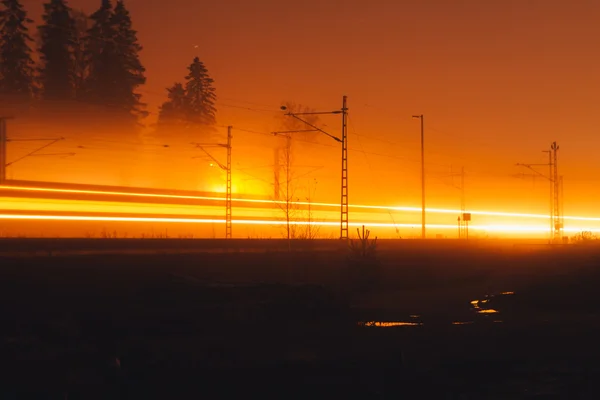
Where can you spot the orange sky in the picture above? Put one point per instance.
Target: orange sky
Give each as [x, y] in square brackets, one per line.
[497, 81]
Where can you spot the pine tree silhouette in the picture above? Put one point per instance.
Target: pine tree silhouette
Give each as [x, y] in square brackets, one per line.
[128, 70]
[173, 112]
[101, 57]
[81, 67]
[16, 64]
[201, 95]
[191, 104]
[57, 51]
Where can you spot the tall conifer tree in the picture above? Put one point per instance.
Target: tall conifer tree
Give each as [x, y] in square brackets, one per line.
[201, 95]
[57, 51]
[100, 51]
[191, 104]
[16, 64]
[173, 112]
[128, 71]
[82, 24]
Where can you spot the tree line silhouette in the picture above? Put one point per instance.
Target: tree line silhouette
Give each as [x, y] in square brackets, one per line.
[91, 60]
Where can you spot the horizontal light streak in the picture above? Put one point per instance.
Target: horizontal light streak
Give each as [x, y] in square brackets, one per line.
[304, 203]
[494, 228]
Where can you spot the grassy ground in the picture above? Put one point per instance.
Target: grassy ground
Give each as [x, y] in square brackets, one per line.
[286, 326]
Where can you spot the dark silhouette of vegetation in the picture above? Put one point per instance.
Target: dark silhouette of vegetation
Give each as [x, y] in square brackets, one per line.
[200, 94]
[16, 63]
[191, 104]
[128, 73]
[288, 123]
[80, 67]
[94, 60]
[585, 237]
[114, 69]
[101, 57]
[286, 195]
[362, 260]
[173, 111]
[57, 51]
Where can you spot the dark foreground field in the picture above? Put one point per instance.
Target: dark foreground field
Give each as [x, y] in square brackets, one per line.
[279, 325]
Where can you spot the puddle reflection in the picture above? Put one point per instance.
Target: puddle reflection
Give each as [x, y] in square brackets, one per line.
[479, 305]
[483, 307]
[388, 324]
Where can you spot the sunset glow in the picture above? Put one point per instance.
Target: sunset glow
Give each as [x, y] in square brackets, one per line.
[302, 203]
[494, 228]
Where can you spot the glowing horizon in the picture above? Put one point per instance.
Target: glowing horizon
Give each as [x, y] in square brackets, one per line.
[492, 228]
[305, 203]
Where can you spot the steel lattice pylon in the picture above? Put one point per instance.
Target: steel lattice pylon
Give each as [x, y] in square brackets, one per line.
[228, 190]
[344, 200]
[556, 209]
[556, 198]
[227, 169]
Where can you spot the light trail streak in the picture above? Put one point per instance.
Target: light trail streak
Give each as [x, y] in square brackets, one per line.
[300, 203]
[494, 228]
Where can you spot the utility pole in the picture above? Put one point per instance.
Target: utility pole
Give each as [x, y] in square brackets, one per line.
[344, 202]
[227, 169]
[422, 175]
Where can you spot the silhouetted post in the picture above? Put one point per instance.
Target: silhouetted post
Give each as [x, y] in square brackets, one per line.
[228, 229]
[276, 168]
[227, 169]
[551, 194]
[422, 175]
[344, 202]
[288, 179]
[555, 179]
[3, 141]
[344, 142]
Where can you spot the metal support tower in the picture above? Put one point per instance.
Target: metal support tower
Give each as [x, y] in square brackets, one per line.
[228, 190]
[556, 198]
[344, 142]
[227, 169]
[550, 171]
[276, 170]
[423, 225]
[562, 199]
[344, 202]
[556, 220]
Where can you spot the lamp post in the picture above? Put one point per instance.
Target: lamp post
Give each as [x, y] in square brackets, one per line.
[422, 176]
